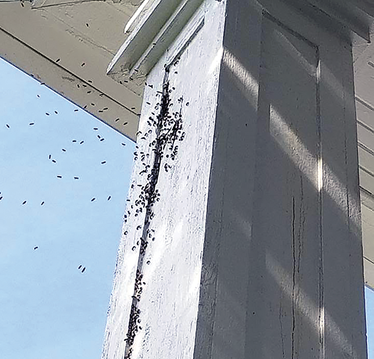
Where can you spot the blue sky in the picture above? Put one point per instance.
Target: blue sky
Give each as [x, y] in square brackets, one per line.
[48, 307]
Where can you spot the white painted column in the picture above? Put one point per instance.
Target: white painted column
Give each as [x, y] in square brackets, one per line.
[242, 232]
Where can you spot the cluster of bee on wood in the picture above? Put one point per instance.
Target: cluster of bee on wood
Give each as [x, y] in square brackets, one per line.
[133, 329]
[168, 132]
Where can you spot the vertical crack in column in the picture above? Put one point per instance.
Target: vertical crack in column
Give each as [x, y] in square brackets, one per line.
[293, 299]
[320, 170]
[168, 129]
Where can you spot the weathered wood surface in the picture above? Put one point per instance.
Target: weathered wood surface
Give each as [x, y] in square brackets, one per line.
[257, 248]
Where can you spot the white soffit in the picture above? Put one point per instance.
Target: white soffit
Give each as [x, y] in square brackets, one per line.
[67, 46]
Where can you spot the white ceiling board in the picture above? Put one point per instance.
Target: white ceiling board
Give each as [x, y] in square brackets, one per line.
[77, 42]
[66, 84]
[87, 22]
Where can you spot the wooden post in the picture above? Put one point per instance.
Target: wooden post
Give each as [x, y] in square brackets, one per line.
[242, 232]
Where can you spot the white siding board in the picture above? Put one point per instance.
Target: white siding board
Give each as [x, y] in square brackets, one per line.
[366, 181]
[366, 160]
[365, 135]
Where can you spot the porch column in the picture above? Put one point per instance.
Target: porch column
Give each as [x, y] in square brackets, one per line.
[242, 233]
